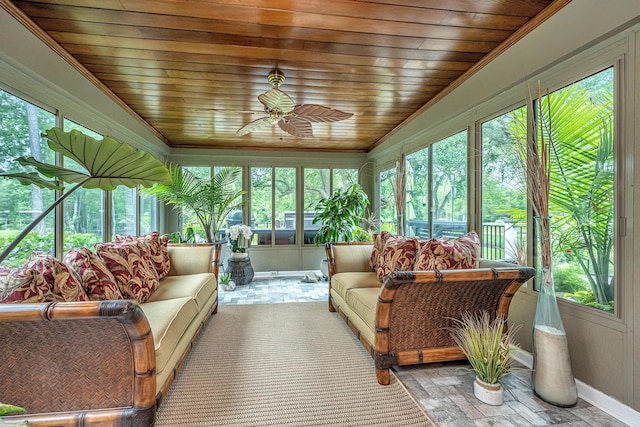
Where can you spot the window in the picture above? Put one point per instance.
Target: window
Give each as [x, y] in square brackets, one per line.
[148, 214]
[436, 189]
[344, 178]
[317, 186]
[388, 220]
[285, 206]
[84, 213]
[235, 215]
[504, 197]
[124, 207]
[262, 204]
[320, 184]
[273, 205]
[21, 124]
[188, 216]
[578, 122]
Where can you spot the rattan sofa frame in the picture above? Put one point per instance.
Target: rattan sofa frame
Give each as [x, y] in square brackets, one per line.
[415, 308]
[83, 363]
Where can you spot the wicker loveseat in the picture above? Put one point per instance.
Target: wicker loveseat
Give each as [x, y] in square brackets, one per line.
[106, 362]
[402, 321]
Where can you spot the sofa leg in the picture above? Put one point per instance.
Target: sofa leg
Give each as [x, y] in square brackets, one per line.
[383, 376]
[332, 309]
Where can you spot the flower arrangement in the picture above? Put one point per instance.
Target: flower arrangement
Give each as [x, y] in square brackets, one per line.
[239, 237]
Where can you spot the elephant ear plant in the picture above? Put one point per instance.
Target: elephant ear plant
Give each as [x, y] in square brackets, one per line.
[108, 163]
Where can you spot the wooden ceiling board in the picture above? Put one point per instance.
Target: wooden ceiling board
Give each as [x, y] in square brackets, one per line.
[192, 71]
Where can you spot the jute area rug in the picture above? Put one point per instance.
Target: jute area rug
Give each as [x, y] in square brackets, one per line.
[292, 364]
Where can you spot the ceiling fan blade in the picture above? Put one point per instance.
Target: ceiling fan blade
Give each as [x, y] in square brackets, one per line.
[320, 114]
[255, 125]
[276, 100]
[297, 127]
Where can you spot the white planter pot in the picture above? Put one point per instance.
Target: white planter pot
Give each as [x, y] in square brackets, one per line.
[239, 255]
[228, 287]
[491, 394]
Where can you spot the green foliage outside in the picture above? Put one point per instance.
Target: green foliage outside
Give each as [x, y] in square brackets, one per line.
[36, 242]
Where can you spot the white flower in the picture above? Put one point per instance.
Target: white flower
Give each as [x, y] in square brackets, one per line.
[239, 237]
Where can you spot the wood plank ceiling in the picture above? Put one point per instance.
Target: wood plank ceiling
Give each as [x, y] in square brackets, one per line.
[193, 70]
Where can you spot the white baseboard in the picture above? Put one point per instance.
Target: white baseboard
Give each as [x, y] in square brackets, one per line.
[595, 397]
[281, 274]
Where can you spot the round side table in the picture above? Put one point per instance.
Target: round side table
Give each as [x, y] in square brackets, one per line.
[240, 269]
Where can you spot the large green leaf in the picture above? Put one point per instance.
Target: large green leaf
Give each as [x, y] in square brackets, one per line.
[28, 178]
[109, 162]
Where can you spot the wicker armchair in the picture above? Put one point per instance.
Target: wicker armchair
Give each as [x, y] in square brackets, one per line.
[413, 309]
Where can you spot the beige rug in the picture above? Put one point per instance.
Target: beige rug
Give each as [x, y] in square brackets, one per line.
[292, 364]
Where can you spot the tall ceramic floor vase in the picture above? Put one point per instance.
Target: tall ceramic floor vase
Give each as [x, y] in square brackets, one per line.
[552, 377]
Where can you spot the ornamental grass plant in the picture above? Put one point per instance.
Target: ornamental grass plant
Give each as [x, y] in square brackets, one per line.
[486, 344]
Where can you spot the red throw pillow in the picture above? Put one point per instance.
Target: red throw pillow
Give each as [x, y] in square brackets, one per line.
[156, 250]
[398, 254]
[25, 285]
[95, 278]
[136, 279]
[58, 276]
[378, 245]
[445, 254]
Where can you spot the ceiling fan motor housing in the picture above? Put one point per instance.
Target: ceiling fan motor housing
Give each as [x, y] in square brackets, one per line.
[275, 77]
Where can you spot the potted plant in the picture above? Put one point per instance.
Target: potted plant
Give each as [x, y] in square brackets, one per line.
[239, 240]
[209, 200]
[487, 345]
[339, 216]
[227, 284]
[108, 163]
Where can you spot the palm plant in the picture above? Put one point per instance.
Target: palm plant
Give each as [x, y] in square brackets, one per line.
[578, 131]
[582, 182]
[209, 200]
[108, 163]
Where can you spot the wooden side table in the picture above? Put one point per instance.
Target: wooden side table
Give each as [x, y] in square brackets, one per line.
[240, 269]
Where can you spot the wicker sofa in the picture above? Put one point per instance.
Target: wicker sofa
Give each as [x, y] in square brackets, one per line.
[106, 362]
[402, 321]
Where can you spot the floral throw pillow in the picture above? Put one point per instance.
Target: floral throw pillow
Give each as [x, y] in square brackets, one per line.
[136, 279]
[378, 245]
[58, 276]
[25, 285]
[95, 278]
[398, 254]
[156, 250]
[445, 254]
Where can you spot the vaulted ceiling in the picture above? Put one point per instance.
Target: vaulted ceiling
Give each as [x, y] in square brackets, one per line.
[193, 70]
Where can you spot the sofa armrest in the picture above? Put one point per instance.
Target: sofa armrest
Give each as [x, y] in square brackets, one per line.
[349, 257]
[189, 259]
[90, 362]
[415, 308]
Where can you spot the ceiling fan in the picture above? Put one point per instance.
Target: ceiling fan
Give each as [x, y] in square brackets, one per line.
[294, 119]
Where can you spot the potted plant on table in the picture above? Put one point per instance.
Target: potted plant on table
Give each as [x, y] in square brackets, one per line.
[487, 345]
[239, 240]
